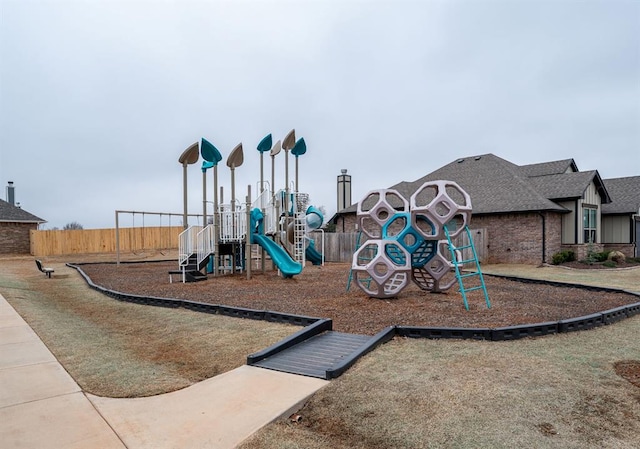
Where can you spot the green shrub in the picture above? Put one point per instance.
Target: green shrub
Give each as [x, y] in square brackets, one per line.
[609, 264]
[562, 257]
[601, 257]
[557, 259]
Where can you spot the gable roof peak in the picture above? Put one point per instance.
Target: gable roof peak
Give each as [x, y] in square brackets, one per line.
[549, 168]
[625, 195]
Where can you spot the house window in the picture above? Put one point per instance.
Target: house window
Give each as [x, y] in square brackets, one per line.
[589, 224]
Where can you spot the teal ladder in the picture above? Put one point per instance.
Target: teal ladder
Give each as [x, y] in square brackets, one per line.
[457, 264]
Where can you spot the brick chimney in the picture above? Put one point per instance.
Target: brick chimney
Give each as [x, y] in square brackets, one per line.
[11, 194]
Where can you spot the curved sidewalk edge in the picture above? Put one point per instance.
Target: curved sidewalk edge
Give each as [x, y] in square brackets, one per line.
[42, 406]
[220, 412]
[40, 403]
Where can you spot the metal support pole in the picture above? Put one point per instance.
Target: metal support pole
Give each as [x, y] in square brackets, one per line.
[185, 219]
[233, 188]
[204, 198]
[247, 238]
[297, 188]
[216, 222]
[117, 241]
[261, 172]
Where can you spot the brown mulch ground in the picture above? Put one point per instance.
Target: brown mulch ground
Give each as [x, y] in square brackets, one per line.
[322, 292]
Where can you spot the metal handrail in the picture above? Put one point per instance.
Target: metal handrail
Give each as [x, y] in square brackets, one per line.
[187, 245]
[205, 243]
[263, 201]
[233, 223]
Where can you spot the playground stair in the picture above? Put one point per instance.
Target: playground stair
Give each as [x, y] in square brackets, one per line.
[189, 264]
[471, 272]
[191, 271]
[318, 351]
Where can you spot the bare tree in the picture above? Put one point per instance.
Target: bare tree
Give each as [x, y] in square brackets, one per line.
[72, 226]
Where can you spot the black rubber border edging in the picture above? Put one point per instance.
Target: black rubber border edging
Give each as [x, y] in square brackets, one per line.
[235, 312]
[313, 326]
[496, 334]
[462, 333]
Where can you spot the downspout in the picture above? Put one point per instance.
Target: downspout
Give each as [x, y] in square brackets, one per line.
[544, 237]
[635, 218]
[578, 217]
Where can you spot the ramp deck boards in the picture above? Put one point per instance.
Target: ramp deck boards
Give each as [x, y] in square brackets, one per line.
[313, 357]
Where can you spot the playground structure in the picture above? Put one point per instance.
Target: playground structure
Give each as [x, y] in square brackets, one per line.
[277, 223]
[414, 240]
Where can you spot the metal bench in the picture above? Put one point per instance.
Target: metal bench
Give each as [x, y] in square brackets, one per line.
[45, 270]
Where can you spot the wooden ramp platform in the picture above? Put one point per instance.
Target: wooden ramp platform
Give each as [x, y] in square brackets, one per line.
[317, 355]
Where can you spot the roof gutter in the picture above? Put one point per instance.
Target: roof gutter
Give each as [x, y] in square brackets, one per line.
[23, 221]
[635, 223]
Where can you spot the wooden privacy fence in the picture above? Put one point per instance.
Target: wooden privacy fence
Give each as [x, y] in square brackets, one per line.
[339, 247]
[86, 241]
[480, 243]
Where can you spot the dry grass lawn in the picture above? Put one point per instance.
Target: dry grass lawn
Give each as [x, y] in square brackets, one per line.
[559, 391]
[553, 392]
[625, 279]
[119, 349]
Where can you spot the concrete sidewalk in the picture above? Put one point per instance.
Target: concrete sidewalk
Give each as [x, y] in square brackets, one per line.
[42, 406]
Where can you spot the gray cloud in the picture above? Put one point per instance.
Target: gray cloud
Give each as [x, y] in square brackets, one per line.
[98, 99]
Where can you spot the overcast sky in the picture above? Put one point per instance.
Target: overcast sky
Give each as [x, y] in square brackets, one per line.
[98, 99]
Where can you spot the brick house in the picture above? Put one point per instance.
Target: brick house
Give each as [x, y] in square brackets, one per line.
[528, 212]
[15, 227]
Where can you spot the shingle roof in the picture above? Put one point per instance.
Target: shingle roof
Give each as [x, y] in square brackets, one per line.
[494, 185]
[569, 185]
[549, 168]
[499, 186]
[13, 214]
[625, 195]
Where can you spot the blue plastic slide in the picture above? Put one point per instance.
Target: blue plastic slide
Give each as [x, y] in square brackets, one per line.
[287, 266]
[312, 254]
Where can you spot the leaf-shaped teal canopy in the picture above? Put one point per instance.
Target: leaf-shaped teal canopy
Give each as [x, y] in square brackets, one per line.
[299, 148]
[206, 165]
[209, 152]
[265, 144]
